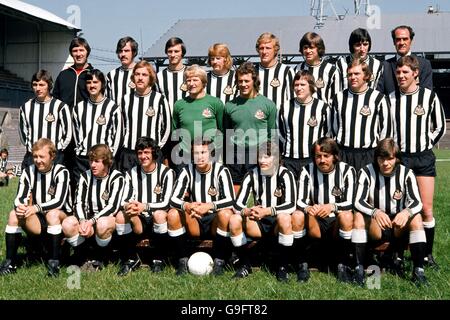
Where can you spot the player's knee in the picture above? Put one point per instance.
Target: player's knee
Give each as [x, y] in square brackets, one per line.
[70, 225]
[160, 216]
[173, 217]
[284, 222]
[53, 217]
[416, 223]
[358, 221]
[224, 215]
[345, 219]
[235, 223]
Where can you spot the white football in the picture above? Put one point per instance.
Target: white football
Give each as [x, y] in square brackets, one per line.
[200, 263]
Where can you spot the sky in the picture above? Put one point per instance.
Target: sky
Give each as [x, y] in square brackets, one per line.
[103, 22]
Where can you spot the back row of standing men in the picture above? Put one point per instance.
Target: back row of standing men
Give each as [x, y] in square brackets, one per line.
[359, 116]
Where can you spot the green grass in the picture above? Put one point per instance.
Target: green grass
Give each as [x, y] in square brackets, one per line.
[31, 283]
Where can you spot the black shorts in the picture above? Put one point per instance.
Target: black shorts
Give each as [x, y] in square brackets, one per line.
[326, 225]
[357, 158]
[296, 165]
[421, 163]
[267, 225]
[147, 225]
[43, 223]
[205, 224]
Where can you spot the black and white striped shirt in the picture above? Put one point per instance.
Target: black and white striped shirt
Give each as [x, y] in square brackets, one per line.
[390, 194]
[361, 119]
[276, 83]
[374, 65]
[98, 197]
[301, 125]
[95, 123]
[151, 188]
[419, 120]
[119, 84]
[222, 87]
[3, 164]
[171, 84]
[337, 186]
[326, 77]
[214, 186]
[47, 191]
[276, 191]
[146, 116]
[50, 119]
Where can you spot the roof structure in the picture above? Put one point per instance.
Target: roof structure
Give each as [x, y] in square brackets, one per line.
[29, 11]
[431, 34]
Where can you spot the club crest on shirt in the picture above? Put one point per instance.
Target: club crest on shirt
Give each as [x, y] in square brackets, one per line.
[336, 192]
[228, 90]
[259, 115]
[50, 117]
[207, 113]
[275, 83]
[312, 122]
[101, 120]
[184, 87]
[398, 195]
[150, 112]
[105, 195]
[51, 190]
[419, 110]
[212, 191]
[157, 189]
[365, 111]
[278, 192]
[320, 83]
[131, 85]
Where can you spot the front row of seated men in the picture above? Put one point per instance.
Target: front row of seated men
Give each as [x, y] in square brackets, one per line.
[202, 203]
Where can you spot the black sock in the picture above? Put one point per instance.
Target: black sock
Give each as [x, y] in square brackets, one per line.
[127, 246]
[221, 247]
[429, 234]
[345, 249]
[284, 252]
[55, 245]
[12, 241]
[160, 241]
[242, 253]
[299, 250]
[360, 253]
[102, 253]
[81, 253]
[396, 247]
[418, 250]
[179, 246]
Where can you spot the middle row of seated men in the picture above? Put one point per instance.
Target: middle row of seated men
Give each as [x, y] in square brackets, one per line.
[201, 202]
